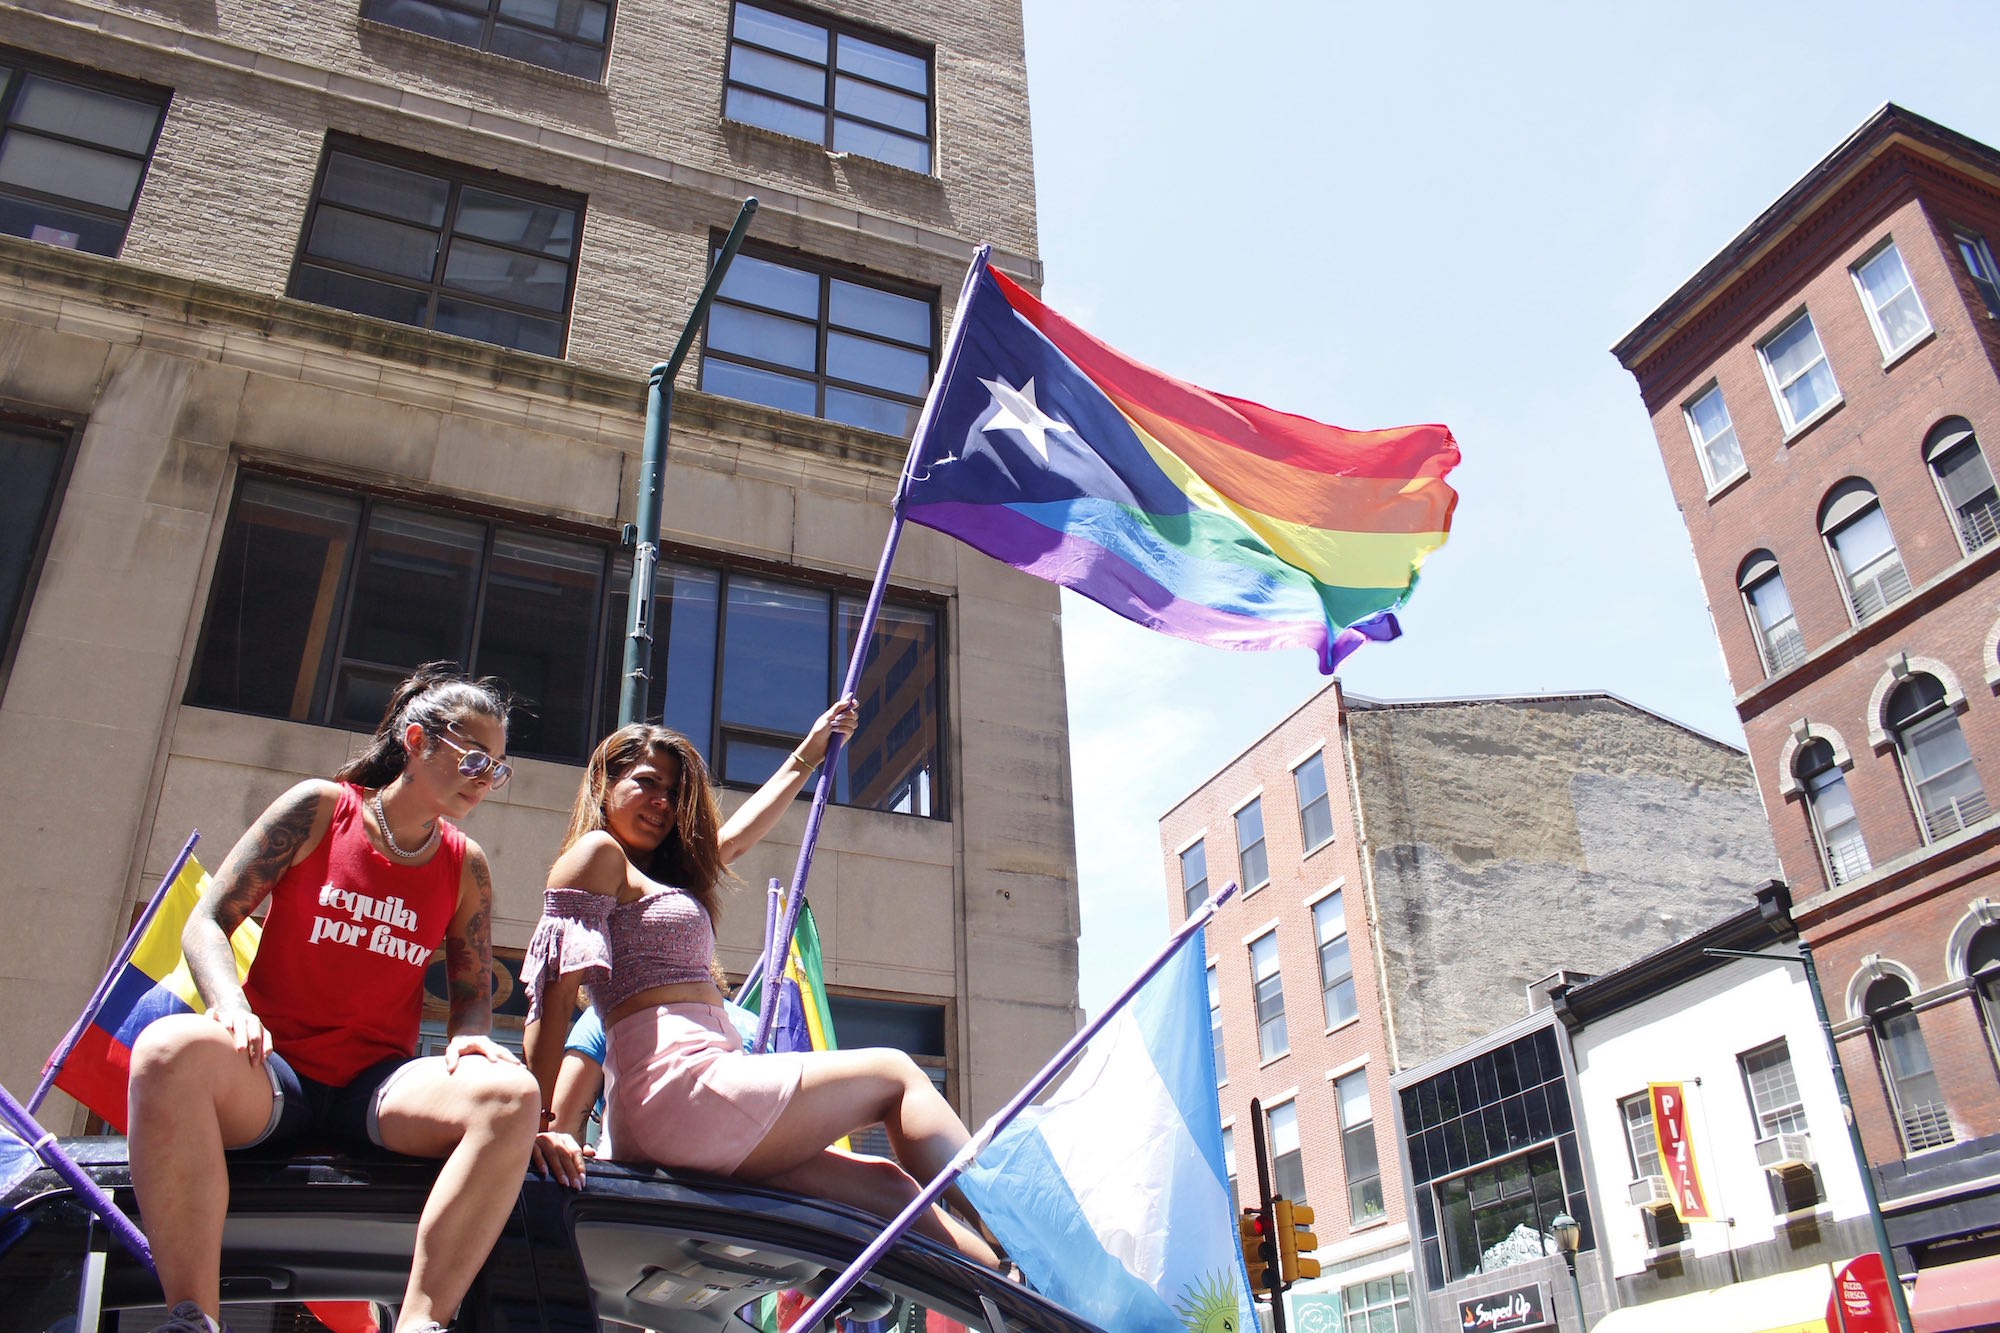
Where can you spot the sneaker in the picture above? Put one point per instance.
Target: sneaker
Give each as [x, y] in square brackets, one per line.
[187, 1317]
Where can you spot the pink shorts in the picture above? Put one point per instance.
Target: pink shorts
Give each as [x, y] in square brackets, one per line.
[681, 1091]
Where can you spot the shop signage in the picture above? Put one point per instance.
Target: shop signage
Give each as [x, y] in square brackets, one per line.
[1670, 1130]
[1520, 1307]
[1860, 1299]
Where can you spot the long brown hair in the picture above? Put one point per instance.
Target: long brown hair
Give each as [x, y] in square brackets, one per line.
[433, 696]
[690, 856]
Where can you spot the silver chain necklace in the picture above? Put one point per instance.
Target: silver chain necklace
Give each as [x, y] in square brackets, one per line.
[382, 822]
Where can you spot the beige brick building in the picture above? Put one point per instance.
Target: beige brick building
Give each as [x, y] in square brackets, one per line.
[323, 340]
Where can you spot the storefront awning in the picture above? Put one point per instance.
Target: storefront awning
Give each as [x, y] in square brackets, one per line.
[1785, 1303]
[1955, 1296]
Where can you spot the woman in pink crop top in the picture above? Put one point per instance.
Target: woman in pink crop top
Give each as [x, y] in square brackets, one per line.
[630, 912]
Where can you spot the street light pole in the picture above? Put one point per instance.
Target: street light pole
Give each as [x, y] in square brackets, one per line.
[1568, 1236]
[1804, 958]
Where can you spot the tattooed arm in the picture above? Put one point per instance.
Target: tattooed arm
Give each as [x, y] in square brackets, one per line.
[291, 827]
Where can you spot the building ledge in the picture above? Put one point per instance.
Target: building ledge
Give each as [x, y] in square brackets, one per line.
[1897, 873]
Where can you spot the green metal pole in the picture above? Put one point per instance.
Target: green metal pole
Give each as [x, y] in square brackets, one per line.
[637, 676]
[1882, 1245]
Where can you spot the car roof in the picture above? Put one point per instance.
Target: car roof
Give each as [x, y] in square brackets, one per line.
[341, 1226]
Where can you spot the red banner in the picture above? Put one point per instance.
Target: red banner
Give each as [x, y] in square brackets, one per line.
[1670, 1131]
[1860, 1299]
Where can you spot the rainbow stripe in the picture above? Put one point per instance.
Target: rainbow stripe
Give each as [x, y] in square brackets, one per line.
[1206, 517]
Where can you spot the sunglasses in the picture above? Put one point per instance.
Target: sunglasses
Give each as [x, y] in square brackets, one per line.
[476, 763]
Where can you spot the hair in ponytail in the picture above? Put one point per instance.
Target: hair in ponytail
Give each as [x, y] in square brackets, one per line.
[435, 695]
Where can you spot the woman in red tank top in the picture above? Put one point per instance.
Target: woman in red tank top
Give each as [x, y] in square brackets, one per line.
[365, 877]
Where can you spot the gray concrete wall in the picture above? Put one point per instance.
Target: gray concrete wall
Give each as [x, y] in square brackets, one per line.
[1507, 838]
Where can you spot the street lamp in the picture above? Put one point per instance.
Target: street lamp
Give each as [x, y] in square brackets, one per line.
[1569, 1235]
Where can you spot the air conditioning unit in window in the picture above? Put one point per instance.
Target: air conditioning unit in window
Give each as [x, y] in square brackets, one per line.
[1651, 1193]
[1786, 1154]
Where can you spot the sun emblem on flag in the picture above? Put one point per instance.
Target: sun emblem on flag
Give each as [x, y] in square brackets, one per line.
[1209, 1306]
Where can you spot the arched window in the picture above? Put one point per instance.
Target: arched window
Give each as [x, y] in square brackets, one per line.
[1965, 481]
[1864, 551]
[1906, 1065]
[1832, 813]
[1769, 607]
[1982, 965]
[1943, 782]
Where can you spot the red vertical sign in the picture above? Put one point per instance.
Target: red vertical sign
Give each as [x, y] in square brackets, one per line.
[1860, 1299]
[1670, 1131]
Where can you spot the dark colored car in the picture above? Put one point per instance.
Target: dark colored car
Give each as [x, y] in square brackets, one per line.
[636, 1249]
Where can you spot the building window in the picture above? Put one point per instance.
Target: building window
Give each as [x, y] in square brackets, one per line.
[1641, 1145]
[917, 1030]
[1890, 299]
[1194, 875]
[1380, 1306]
[1835, 826]
[1251, 861]
[1779, 643]
[1229, 1165]
[1864, 550]
[32, 468]
[1288, 1169]
[1714, 436]
[1980, 268]
[323, 599]
[1315, 810]
[569, 36]
[441, 247]
[1801, 380]
[821, 343]
[1774, 1093]
[1982, 965]
[1357, 1148]
[1215, 1025]
[1499, 1215]
[1965, 481]
[74, 148]
[820, 79]
[1935, 758]
[1906, 1065]
[1269, 990]
[1336, 963]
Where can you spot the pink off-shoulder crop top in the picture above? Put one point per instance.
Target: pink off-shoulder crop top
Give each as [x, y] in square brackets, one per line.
[661, 939]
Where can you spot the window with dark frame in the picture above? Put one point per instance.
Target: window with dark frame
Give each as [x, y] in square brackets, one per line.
[1268, 992]
[33, 466]
[568, 36]
[1336, 960]
[1965, 481]
[1864, 550]
[1215, 1026]
[74, 150]
[1779, 643]
[917, 1030]
[1979, 266]
[821, 341]
[1905, 1058]
[302, 624]
[440, 246]
[1935, 758]
[818, 78]
[1315, 809]
[1251, 859]
[1194, 875]
[1830, 809]
[1982, 969]
[1357, 1149]
[1380, 1305]
[1288, 1166]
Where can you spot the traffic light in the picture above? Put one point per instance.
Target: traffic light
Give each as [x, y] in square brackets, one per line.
[1259, 1253]
[1295, 1238]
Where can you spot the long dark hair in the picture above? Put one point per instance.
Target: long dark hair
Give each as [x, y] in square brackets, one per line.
[435, 695]
[690, 857]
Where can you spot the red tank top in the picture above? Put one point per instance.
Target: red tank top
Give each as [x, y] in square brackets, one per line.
[339, 977]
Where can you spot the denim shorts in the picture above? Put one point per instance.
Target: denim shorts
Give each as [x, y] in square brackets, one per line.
[303, 1108]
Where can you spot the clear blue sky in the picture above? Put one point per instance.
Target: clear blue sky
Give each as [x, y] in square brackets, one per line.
[1378, 215]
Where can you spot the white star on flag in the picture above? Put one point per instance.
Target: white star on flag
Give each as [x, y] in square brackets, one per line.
[1016, 409]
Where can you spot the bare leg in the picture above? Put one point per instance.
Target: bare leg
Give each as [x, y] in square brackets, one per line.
[841, 1091]
[192, 1095]
[481, 1118]
[878, 1186]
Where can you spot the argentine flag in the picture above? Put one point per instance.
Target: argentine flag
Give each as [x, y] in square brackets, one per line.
[1112, 1196]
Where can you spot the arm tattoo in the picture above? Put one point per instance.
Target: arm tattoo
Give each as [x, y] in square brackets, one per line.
[469, 958]
[249, 873]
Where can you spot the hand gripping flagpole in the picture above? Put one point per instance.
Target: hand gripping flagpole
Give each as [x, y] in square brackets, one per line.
[777, 947]
[53, 1067]
[822, 1308]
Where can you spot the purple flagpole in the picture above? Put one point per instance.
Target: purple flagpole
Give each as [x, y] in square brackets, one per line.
[93, 1196]
[824, 1306]
[780, 945]
[52, 1069]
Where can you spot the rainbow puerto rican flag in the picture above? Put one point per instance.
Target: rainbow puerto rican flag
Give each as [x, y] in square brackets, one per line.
[1202, 516]
[153, 983]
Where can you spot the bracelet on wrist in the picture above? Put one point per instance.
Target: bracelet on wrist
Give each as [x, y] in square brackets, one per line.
[808, 764]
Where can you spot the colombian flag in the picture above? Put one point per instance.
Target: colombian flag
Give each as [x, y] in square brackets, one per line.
[153, 983]
[1209, 518]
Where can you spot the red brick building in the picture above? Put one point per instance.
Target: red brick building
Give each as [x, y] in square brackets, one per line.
[1826, 397]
